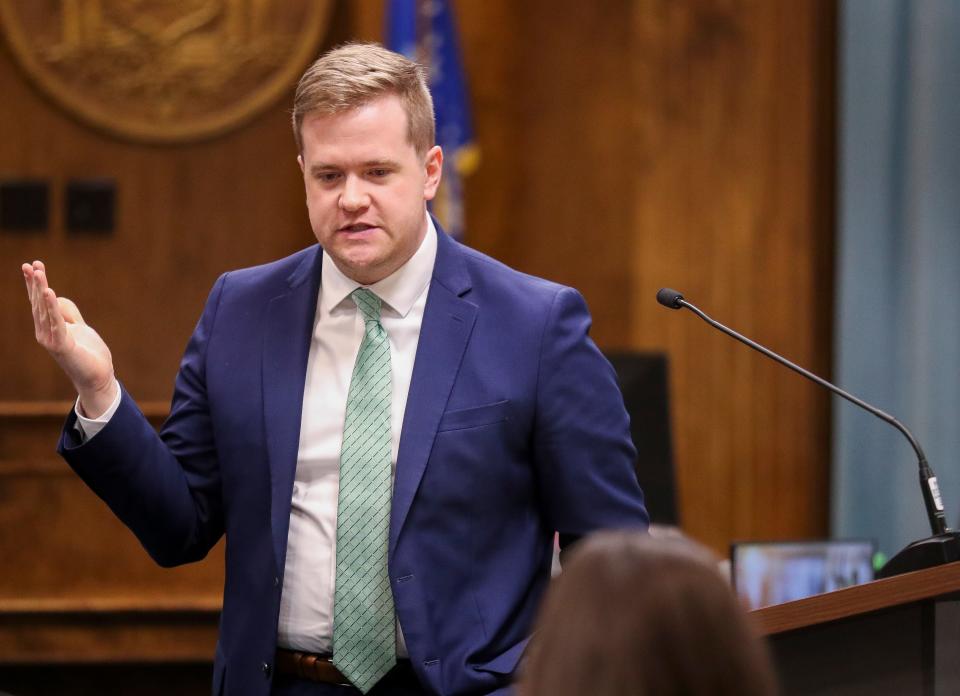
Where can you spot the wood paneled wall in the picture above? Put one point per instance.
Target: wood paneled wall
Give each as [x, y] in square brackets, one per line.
[626, 145]
[733, 205]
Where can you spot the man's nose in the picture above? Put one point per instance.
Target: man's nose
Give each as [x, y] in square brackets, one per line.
[354, 196]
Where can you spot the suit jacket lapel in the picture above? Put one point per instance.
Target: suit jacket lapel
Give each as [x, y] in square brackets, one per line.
[286, 346]
[448, 320]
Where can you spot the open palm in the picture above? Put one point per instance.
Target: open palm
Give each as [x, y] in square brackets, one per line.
[78, 349]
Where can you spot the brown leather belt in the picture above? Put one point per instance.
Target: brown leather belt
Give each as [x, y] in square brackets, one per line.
[309, 666]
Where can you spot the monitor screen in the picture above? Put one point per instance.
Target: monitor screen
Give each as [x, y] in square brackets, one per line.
[766, 573]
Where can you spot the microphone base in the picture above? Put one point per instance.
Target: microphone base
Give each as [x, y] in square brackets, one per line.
[924, 553]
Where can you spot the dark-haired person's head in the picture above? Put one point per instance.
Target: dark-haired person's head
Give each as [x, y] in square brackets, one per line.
[637, 615]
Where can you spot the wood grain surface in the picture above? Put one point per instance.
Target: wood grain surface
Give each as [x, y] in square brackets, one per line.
[860, 599]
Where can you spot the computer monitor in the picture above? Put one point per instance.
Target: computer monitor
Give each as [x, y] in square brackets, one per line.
[773, 572]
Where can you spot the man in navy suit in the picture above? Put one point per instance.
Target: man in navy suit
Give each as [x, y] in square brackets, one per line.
[505, 422]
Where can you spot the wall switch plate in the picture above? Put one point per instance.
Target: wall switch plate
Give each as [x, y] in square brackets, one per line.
[24, 205]
[90, 205]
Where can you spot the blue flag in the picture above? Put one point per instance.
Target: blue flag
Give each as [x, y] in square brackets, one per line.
[424, 31]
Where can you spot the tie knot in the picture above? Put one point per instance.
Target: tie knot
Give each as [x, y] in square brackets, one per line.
[368, 303]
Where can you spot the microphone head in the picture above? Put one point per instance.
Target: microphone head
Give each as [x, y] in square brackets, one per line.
[669, 298]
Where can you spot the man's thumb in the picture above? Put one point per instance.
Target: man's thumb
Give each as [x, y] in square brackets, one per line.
[69, 310]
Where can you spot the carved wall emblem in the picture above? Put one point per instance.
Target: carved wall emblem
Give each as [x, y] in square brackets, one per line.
[164, 70]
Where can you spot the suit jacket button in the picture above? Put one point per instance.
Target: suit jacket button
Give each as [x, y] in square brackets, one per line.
[267, 669]
[276, 581]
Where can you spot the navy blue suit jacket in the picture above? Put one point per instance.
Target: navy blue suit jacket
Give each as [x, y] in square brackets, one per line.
[514, 428]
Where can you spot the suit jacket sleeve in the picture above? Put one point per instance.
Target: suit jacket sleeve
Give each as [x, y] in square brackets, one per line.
[165, 487]
[583, 448]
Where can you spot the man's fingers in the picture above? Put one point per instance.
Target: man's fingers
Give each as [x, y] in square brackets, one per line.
[33, 292]
[51, 314]
[54, 318]
[37, 269]
[27, 271]
[41, 282]
[29, 276]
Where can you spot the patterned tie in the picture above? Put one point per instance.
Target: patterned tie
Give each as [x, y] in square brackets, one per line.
[364, 628]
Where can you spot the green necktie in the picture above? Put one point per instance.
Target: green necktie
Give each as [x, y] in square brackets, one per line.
[364, 625]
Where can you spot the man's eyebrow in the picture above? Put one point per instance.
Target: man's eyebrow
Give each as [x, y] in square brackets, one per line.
[384, 163]
[368, 164]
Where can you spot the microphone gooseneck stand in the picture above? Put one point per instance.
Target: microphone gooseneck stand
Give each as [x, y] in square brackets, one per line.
[943, 546]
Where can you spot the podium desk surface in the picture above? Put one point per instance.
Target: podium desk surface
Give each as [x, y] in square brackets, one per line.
[859, 599]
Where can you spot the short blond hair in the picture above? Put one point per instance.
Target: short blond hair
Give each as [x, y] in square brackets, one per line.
[354, 74]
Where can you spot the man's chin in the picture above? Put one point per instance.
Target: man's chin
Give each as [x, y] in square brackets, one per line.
[363, 268]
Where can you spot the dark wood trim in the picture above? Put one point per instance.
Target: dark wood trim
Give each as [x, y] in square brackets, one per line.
[108, 630]
[108, 605]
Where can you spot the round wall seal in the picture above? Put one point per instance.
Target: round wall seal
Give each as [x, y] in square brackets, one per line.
[164, 70]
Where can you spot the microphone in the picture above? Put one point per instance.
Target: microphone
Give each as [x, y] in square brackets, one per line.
[669, 298]
[944, 544]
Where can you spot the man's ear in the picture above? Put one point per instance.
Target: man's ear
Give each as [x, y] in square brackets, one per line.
[434, 169]
[300, 162]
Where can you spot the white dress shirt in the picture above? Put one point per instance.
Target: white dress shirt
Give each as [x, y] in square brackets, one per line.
[306, 605]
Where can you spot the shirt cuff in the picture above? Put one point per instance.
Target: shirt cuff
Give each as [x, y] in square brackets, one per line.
[88, 427]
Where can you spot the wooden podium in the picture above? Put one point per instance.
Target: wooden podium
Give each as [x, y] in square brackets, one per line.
[900, 635]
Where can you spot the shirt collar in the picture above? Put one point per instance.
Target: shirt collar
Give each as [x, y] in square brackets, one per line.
[399, 290]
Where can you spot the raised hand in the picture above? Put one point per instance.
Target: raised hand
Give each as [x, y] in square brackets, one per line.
[77, 348]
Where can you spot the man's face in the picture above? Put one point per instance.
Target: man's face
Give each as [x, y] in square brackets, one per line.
[367, 187]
